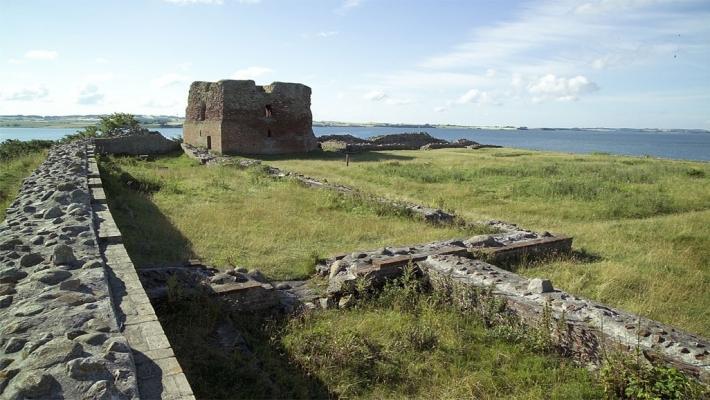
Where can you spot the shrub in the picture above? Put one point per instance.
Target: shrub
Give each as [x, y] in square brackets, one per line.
[12, 148]
[624, 376]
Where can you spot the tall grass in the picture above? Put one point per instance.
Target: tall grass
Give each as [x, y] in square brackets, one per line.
[647, 221]
[172, 209]
[17, 160]
[407, 343]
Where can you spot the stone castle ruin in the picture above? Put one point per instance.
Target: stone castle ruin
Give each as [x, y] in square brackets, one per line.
[239, 117]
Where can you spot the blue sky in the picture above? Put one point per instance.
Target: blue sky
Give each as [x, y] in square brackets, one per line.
[613, 63]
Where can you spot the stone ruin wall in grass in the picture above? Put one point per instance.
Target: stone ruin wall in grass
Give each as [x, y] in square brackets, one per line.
[74, 319]
[584, 329]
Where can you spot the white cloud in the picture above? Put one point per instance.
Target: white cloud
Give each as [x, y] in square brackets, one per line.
[375, 95]
[490, 73]
[45, 55]
[325, 34]
[169, 79]
[606, 6]
[475, 96]
[560, 88]
[440, 109]
[32, 93]
[89, 94]
[348, 5]
[351, 3]
[516, 80]
[562, 36]
[101, 60]
[251, 73]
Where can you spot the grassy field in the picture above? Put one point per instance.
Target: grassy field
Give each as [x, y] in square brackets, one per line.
[17, 161]
[173, 209]
[643, 223]
[409, 345]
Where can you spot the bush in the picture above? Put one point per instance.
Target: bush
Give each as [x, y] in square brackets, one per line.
[12, 148]
[625, 377]
[109, 125]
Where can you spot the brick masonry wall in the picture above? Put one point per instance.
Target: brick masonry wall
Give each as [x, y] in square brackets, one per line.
[234, 114]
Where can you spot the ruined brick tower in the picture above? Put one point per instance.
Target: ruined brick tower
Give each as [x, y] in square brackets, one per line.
[240, 117]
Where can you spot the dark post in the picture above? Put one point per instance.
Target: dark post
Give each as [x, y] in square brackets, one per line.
[347, 159]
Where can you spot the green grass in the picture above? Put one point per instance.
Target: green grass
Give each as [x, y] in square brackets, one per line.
[13, 170]
[403, 344]
[429, 352]
[399, 345]
[646, 222]
[173, 209]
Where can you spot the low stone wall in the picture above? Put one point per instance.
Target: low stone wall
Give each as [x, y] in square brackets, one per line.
[159, 375]
[588, 328]
[584, 328]
[381, 264]
[59, 334]
[74, 319]
[148, 143]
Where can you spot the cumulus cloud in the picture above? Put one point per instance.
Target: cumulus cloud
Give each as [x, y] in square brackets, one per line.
[375, 95]
[560, 88]
[169, 79]
[44, 55]
[475, 96]
[89, 94]
[348, 5]
[251, 73]
[28, 94]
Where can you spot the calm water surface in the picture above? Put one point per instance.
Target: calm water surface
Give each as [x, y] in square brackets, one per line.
[684, 145]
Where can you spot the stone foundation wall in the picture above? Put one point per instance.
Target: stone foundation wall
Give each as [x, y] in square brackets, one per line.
[151, 143]
[74, 319]
[588, 328]
[583, 328]
[59, 333]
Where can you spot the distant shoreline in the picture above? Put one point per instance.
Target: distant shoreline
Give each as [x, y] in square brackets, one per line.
[171, 121]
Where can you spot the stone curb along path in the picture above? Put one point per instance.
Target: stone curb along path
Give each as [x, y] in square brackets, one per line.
[159, 375]
[73, 323]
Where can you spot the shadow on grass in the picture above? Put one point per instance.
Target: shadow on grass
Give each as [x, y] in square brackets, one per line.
[230, 355]
[149, 236]
[576, 256]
